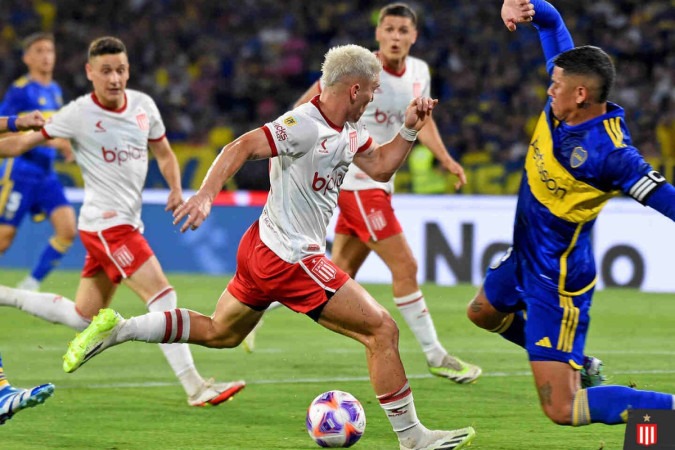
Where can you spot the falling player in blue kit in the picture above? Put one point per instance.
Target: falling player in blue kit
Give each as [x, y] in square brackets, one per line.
[13, 400]
[28, 183]
[580, 156]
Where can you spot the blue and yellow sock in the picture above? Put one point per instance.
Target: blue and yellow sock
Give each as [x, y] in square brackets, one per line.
[3, 378]
[50, 258]
[609, 404]
[512, 328]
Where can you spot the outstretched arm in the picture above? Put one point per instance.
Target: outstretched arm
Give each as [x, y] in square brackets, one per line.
[380, 162]
[431, 138]
[252, 145]
[554, 36]
[30, 121]
[168, 166]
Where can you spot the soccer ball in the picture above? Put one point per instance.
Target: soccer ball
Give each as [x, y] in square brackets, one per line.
[336, 419]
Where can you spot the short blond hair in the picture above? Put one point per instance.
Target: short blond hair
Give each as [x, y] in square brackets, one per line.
[349, 61]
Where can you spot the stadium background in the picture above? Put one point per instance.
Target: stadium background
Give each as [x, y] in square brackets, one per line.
[219, 68]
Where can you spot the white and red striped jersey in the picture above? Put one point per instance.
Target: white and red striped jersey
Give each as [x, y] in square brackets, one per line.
[111, 148]
[311, 157]
[385, 115]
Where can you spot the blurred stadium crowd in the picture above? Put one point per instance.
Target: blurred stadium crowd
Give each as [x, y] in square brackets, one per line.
[219, 68]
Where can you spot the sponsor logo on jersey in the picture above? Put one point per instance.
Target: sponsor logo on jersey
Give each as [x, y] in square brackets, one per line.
[99, 127]
[578, 157]
[143, 121]
[550, 182]
[290, 121]
[391, 118]
[330, 183]
[353, 142]
[322, 148]
[280, 132]
[120, 156]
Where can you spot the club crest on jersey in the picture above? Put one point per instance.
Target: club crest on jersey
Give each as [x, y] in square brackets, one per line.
[290, 121]
[143, 122]
[353, 142]
[578, 157]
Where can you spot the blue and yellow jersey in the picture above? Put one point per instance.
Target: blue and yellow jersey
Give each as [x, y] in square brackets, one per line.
[26, 95]
[570, 174]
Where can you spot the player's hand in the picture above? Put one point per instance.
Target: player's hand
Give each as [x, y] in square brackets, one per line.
[516, 11]
[31, 121]
[195, 211]
[175, 200]
[418, 112]
[457, 170]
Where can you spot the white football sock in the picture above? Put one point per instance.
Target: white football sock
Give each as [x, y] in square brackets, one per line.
[50, 307]
[400, 409]
[178, 355]
[414, 310]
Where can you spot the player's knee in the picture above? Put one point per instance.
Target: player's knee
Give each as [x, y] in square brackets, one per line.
[405, 269]
[5, 243]
[386, 329]
[63, 241]
[477, 315]
[560, 414]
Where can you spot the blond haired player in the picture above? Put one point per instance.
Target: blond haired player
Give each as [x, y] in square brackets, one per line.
[282, 255]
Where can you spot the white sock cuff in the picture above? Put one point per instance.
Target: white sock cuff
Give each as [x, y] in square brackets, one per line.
[396, 399]
[409, 299]
[164, 300]
[177, 328]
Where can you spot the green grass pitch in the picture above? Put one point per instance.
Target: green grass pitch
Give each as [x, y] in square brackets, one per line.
[127, 398]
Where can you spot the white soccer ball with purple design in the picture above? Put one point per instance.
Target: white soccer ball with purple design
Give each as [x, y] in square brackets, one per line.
[336, 419]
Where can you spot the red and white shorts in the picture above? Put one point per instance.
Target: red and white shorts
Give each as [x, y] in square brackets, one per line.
[262, 277]
[367, 214]
[118, 251]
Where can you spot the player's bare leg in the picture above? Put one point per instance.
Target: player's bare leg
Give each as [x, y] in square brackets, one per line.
[93, 294]
[349, 253]
[352, 312]
[150, 283]
[557, 383]
[397, 255]
[7, 234]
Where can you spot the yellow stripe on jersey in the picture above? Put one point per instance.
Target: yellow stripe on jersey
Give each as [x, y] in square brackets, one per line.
[554, 187]
[568, 327]
[21, 81]
[563, 267]
[6, 185]
[613, 128]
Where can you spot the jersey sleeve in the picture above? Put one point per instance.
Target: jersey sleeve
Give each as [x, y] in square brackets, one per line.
[363, 137]
[12, 102]
[157, 128]
[64, 123]
[627, 171]
[292, 134]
